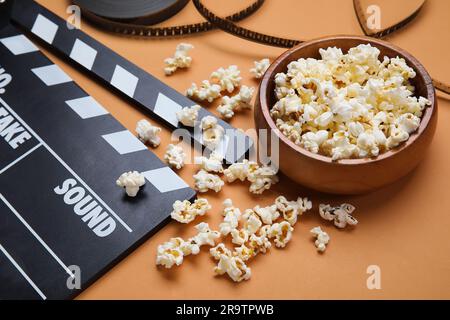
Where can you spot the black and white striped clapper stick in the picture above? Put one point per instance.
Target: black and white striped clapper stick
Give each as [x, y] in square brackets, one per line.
[63, 220]
[119, 74]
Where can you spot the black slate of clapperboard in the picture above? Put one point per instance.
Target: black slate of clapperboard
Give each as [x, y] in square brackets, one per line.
[150, 94]
[33, 217]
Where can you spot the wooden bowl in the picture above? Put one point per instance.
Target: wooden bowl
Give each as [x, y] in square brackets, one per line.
[349, 176]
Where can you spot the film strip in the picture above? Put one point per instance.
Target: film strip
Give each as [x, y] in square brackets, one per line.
[134, 29]
[122, 76]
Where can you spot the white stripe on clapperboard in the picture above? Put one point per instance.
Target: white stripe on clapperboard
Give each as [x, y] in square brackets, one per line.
[64, 164]
[23, 273]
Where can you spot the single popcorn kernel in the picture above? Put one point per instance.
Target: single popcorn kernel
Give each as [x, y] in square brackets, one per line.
[348, 105]
[322, 238]
[228, 79]
[131, 181]
[206, 92]
[282, 232]
[148, 133]
[181, 59]
[241, 101]
[211, 164]
[341, 215]
[205, 181]
[260, 68]
[186, 212]
[175, 156]
[188, 116]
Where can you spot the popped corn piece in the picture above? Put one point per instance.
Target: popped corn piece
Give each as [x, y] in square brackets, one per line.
[236, 269]
[240, 170]
[186, 212]
[205, 235]
[181, 59]
[312, 141]
[262, 179]
[211, 164]
[188, 116]
[292, 209]
[169, 254]
[205, 181]
[189, 247]
[252, 221]
[322, 238]
[397, 137]
[207, 91]
[148, 133]
[231, 219]
[131, 181]
[267, 214]
[341, 215]
[240, 236]
[219, 250]
[228, 79]
[282, 232]
[243, 252]
[175, 156]
[260, 68]
[259, 243]
[213, 133]
[230, 105]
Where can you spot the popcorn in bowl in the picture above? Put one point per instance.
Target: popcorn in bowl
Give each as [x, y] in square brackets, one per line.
[347, 105]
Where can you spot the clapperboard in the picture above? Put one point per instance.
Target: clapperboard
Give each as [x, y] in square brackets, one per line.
[61, 214]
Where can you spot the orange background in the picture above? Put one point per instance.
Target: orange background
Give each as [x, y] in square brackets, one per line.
[404, 228]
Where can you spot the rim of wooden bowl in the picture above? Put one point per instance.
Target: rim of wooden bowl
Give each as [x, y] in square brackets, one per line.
[264, 98]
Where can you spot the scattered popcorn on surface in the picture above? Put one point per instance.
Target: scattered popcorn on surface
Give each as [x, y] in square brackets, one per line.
[322, 239]
[169, 254]
[267, 214]
[252, 221]
[261, 178]
[244, 253]
[206, 92]
[292, 209]
[186, 212]
[241, 101]
[175, 156]
[282, 232]
[205, 181]
[250, 232]
[205, 235]
[240, 170]
[231, 219]
[259, 243]
[211, 164]
[341, 215]
[131, 181]
[219, 250]
[347, 105]
[212, 132]
[188, 116]
[236, 269]
[180, 60]
[240, 236]
[148, 133]
[260, 68]
[228, 79]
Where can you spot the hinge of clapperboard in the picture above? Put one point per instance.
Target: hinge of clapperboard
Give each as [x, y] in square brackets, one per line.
[236, 145]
